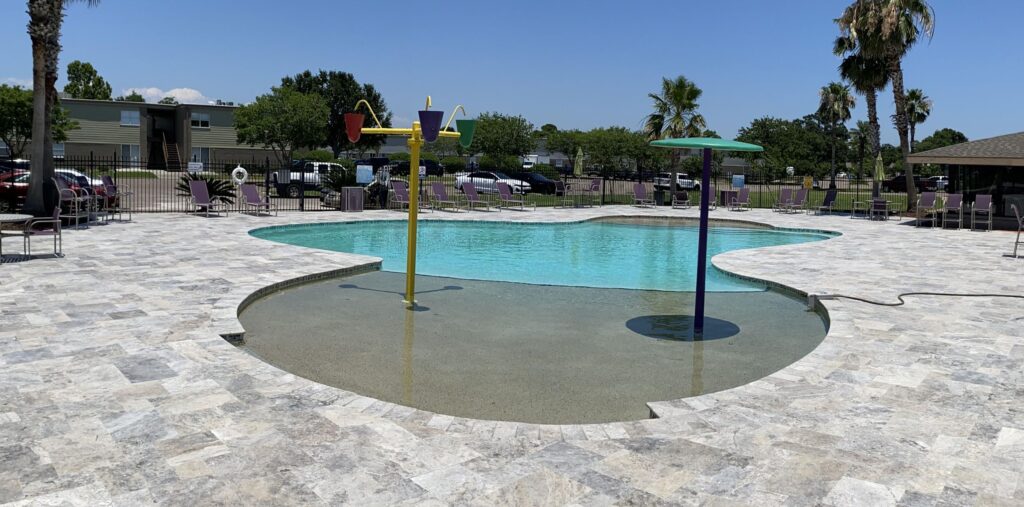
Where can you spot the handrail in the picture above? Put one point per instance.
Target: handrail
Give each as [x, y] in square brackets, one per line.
[164, 146]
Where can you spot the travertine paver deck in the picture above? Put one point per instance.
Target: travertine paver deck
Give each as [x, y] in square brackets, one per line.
[116, 388]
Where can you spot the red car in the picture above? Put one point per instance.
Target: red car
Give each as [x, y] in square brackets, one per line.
[14, 188]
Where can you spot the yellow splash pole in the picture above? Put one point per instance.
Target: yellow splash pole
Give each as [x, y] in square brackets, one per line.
[415, 141]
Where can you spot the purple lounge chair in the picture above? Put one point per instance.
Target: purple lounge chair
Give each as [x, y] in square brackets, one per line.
[785, 197]
[506, 199]
[681, 199]
[925, 207]
[201, 201]
[472, 197]
[562, 195]
[76, 203]
[798, 202]
[440, 199]
[828, 202]
[640, 197]
[253, 201]
[402, 197]
[741, 201]
[983, 207]
[954, 204]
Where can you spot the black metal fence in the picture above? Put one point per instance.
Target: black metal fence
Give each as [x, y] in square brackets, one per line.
[159, 190]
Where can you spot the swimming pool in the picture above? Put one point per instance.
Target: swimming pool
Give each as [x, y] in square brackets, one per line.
[619, 253]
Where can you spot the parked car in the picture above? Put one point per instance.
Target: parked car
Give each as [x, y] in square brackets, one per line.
[433, 168]
[96, 183]
[288, 182]
[14, 164]
[539, 183]
[487, 182]
[14, 187]
[898, 183]
[664, 180]
[936, 183]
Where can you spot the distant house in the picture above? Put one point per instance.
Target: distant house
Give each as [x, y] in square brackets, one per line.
[987, 166]
[156, 136]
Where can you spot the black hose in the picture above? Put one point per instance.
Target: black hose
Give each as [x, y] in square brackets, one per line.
[949, 294]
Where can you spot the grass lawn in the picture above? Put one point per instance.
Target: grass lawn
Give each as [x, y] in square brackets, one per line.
[758, 199]
[131, 174]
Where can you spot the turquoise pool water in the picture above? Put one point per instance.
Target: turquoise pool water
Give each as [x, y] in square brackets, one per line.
[651, 255]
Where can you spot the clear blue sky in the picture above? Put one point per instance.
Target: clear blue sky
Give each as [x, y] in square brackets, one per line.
[576, 64]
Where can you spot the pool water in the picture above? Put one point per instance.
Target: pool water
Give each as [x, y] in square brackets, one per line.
[650, 255]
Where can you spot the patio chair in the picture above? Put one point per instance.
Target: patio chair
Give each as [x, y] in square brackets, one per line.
[1020, 226]
[77, 205]
[799, 201]
[925, 207]
[115, 199]
[681, 199]
[828, 202]
[785, 197]
[52, 228]
[878, 208]
[713, 197]
[741, 201]
[253, 201]
[640, 198]
[562, 196]
[594, 191]
[983, 207]
[472, 197]
[439, 198]
[954, 204]
[507, 199]
[402, 197]
[201, 201]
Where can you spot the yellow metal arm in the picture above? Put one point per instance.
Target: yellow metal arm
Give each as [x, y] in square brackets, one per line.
[452, 117]
[404, 132]
[374, 115]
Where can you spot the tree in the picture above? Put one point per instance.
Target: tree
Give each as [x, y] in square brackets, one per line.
[887, 29]
[340, 92]
[500, 136]
[134, 96]
[919, 106]
[675, 112]
[803, 144]
[835, 102]
[940, 139]
[16, 120]
[566, 142]
[85, 83]
[169, 100]
[45, 20]
[868, 76]
[545, 130]
[283, 120]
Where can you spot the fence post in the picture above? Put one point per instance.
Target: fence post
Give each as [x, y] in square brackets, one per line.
[266, 178]
[302, 188]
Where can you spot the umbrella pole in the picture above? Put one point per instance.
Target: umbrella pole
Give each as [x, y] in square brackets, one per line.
[702, 245]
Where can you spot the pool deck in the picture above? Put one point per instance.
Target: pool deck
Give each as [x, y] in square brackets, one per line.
[116, 387]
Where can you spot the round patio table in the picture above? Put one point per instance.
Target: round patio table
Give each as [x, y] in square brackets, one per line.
[12, 218]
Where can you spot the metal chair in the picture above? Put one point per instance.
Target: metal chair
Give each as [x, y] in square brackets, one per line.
[954, 204]
[982, 206]
[1020, 226]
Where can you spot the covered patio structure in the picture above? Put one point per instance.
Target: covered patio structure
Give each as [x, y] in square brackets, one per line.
[987, 166]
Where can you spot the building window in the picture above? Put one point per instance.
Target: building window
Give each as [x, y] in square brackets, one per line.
[4, 151]
[200, 155]
[129, 118]
[130, 153]
[58, 150]
[201, 120]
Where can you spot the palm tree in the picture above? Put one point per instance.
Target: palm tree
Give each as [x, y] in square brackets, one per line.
[919, 106]
[834, 107]
[868, 76]
[675, 112]
[45, 19]
[887, 29]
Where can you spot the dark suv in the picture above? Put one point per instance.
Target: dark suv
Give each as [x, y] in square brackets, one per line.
[898, 183]
[433, 168]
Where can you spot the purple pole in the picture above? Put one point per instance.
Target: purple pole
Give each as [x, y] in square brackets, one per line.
[702, 245]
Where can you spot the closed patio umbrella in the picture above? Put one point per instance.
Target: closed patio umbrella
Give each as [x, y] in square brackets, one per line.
[577, 169]
[876, 186]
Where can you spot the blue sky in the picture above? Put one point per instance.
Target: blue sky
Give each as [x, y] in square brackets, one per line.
[576, 64]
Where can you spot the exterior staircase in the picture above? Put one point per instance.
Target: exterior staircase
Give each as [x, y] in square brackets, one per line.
[171, 157]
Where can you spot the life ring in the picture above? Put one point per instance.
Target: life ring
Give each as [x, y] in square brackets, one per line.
[239, 175]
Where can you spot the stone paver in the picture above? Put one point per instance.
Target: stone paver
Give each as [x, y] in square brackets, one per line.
[116, 387]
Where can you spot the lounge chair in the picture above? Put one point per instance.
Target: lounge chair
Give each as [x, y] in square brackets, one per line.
[253, 201]
[439, 199]
[1020, 226]
[785, 197]
[594, 191]
[798, 202]
[713, 197]
[828, 202]
[954, 204]
[201, 201]
[982, 207]
[741, 201]
[681, 199]
[562, 196]
[878, 208]
[507, 199]
[640, 197]
[472, 197]
[925, 207]
[402, 197]
[52, 228]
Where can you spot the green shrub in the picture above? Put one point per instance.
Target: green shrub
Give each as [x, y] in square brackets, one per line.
[399, 157]
[220, 190]
[337, 179]
[453, 164]
[348, 164]
[507, 163]
[315, 156]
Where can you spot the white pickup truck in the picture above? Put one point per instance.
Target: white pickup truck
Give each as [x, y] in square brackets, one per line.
[288, 182]
[664, 182]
